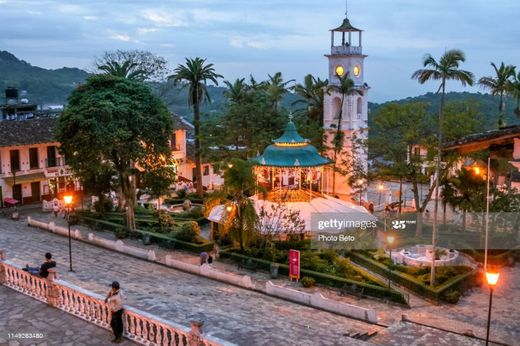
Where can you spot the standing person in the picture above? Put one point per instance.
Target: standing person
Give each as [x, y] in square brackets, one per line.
[55, 208]
[203, 257]
[114, 300]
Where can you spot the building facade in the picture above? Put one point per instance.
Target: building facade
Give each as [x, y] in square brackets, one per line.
[31, 167]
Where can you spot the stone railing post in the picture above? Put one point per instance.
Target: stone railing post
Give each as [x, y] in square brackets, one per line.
[3, 274]
[52, 293]
[196, 338]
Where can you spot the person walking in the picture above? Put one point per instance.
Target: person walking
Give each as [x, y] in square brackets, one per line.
[114, 300]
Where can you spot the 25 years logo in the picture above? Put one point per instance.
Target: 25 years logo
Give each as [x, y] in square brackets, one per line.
[398, 224]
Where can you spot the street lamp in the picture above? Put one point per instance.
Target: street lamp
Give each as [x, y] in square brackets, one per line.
[492, 279]
[360, 183]
[68, 205]
[390, 240]
[380, 188]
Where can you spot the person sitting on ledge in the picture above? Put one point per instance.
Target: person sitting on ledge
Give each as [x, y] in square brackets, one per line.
[43, 272]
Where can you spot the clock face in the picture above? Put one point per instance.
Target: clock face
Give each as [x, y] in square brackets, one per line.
[339, 71]
[357, 70]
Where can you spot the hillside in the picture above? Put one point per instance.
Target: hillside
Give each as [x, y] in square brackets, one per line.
[54, 86]
[487, 104]
[42, 85]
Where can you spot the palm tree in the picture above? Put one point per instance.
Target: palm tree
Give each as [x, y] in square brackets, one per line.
[237, 90]
[499, 85]
[447, 68]
[276, 88]
[196, 73]
[514, 91]
[127, 69]
[312, 92]
[345, 87]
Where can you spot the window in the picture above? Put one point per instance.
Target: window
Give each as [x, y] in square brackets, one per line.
[336, 108]
[359, 107]
[51, 156]
[15, 160]
[417, 151]
[206, 170]
[33, 158]
[173, 141]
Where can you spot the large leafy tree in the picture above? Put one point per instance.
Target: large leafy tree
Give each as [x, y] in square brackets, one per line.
[447, 68]
[132, 64]
[114, 123]
[514, 91]
[345, 87]
[499, 85]
[276, 88]
[196, 73]
[312, 92]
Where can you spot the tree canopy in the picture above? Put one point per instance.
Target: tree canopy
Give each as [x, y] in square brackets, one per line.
[117, 123]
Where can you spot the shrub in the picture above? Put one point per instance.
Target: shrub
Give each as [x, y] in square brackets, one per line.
[103, 207]
[312, 261]
[308, 282]
[452, 296]
[121, 233]
[189, 231]
[181, 193]
[166, 222]
[329, 255]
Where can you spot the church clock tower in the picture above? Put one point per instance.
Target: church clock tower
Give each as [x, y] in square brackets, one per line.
[346, 58]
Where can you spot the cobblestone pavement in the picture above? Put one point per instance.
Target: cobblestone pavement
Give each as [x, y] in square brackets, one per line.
[469, 314]
[22, 314]
[230, 313]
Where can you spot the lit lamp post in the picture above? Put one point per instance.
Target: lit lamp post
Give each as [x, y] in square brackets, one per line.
[360, 183]
[492, 279]
[68, 206]
[380, 188]
[389, 241]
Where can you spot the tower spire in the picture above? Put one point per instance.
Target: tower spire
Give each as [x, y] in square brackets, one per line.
[346, 8]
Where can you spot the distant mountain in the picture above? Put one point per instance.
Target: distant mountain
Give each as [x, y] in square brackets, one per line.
[42, 85]
[486, 103]
[54, 86]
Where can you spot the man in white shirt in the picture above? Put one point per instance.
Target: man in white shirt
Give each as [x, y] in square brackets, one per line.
[114, 300]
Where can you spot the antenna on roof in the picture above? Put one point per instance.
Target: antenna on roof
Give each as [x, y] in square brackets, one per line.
[346, 8]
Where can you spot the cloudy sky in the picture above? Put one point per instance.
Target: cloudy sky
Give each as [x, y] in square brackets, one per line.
[258, 37]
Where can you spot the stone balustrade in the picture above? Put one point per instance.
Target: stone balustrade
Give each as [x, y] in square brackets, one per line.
[139, 326]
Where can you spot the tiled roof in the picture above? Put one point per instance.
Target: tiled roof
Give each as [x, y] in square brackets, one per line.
[26, 132]
[180, 123]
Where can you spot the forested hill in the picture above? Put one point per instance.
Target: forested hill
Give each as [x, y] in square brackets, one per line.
[486, 103]
[42, 85]
[54, 86]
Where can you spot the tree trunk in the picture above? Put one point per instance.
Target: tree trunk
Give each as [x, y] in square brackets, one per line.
[198, 160]
[128, 191]
[444, 205]
[463, 220]
[336, 145]
[400, 195]
[418, 209]
[437, 181]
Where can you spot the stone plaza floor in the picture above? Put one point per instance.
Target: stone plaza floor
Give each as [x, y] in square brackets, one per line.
[251, 318]
[27, 321]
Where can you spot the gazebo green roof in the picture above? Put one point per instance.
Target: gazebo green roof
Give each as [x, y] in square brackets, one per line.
[290, 150]
[291, 136]
[346, 27]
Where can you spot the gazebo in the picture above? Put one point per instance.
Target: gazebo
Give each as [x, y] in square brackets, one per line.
[291, 169]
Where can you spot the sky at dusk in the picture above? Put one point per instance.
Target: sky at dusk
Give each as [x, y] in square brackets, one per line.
[261, 37]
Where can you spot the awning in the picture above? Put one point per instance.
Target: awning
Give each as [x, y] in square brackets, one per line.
[11, 201]
[24, 178]
[180, 178]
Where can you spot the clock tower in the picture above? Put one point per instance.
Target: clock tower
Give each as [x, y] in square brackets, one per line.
[346, 58]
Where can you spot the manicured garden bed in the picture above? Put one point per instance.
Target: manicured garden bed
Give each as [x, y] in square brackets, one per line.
[166, 240]
[353, 280]
[454, 278]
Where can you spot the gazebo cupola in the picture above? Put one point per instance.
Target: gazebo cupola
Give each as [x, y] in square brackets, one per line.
[289, 165]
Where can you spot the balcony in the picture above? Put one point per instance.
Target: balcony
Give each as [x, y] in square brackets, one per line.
[346, 50]
[57, 162]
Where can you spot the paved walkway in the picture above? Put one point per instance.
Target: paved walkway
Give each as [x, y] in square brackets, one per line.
[23, 315]
[469, 314]
[230, 313]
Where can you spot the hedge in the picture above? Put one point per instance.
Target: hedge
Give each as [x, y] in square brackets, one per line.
[501, 259]
[161, 239]
[459, 282]
[325, 279]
